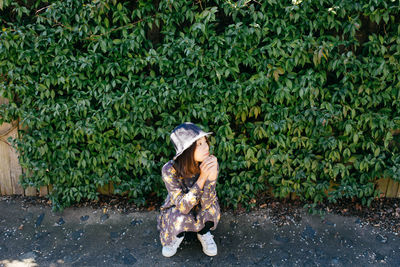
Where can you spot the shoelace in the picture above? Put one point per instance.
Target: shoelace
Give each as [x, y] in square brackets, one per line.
[209, 239]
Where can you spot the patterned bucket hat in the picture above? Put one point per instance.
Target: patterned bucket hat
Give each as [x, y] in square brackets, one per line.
[184, 135]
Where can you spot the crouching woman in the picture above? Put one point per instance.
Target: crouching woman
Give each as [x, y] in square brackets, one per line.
[192, 203]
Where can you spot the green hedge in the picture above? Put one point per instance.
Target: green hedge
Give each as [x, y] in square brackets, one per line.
[302, 95]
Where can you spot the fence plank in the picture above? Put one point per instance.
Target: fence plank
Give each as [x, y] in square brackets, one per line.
[111, 188]
[398, 192]
[15, 168]
[5, 177]
[5, 128]
[30, 190]
[382, 186]
[270, 192]
[104, 190]
[392, 188]
[5, 152]
[43, 191]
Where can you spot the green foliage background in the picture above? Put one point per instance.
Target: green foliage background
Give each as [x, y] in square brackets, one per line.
[302, 95]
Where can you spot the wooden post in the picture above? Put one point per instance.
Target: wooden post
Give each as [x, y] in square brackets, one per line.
[29, 191]
[270, 191]
[392, 188]
[398, 192]
[43, 191]
[5, 182]
[5, 175]
[10, 170]
[5, 151]
[15, 168]
[104, 190]
[111, 189]
[382, 185]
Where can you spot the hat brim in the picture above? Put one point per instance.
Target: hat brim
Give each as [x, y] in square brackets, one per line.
[198, 137]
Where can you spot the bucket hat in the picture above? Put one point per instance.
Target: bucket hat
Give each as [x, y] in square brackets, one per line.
[184, 135]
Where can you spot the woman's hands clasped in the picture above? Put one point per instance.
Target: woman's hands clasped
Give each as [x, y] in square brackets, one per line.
[209, 168]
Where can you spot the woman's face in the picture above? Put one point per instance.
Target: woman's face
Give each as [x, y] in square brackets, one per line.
[202, 150]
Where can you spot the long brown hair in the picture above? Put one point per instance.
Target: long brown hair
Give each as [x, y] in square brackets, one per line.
[185, 165]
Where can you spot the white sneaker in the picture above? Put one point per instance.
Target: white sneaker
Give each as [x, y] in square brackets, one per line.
[170, 249]
[209, 246]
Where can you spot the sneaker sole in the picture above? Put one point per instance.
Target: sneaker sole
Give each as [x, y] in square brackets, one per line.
[168, 255]
[207, 253]
[210, 254]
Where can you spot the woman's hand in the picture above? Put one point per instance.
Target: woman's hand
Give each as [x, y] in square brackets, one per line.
[209, 168]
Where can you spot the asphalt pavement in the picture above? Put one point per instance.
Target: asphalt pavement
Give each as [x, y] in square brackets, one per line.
[36, 236]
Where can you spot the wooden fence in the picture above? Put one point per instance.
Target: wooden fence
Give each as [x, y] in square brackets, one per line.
[10, 170]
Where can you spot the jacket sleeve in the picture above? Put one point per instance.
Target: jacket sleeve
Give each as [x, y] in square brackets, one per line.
[209, 193]
[184, 202]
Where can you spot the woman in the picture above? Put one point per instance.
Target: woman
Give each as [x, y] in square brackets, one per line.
[192, 203]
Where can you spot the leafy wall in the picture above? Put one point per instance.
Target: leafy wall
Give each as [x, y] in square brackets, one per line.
[303, 95]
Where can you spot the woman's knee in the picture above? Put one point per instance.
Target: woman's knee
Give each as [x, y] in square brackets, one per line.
[213, 209]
